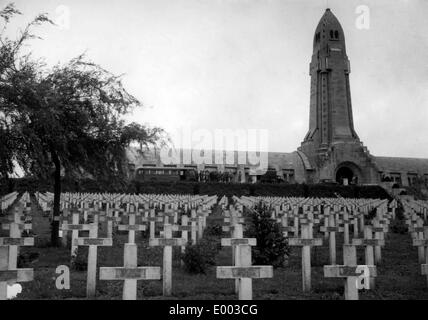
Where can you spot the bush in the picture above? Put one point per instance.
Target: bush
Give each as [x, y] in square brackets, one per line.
[79, 262]
[214, 230]
[271, 246]
[197, 258]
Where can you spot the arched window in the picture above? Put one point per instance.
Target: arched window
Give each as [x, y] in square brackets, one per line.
[336, 34]
[331, 34]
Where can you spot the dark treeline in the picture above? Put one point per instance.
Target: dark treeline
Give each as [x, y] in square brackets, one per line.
[228, 189]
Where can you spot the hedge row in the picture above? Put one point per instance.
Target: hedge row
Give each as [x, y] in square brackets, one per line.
[228, 189]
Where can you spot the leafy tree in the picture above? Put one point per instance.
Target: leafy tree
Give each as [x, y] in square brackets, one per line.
[214, 175]
[271, 246]
[67, 120]
[269, 177]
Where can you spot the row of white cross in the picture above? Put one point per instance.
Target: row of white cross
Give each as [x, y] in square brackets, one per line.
[7, 200]
[298, 216]
[141, 212]
[309, 214]
[415, 214]
[17, 223]
[130, 273]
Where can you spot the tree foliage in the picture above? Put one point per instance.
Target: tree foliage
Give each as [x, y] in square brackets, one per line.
[271, 246]
[66, 120]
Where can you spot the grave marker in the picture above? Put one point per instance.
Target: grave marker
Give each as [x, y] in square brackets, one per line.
[243, 271]
[9, 273]
[75, 227]
[130, 273]
[93, 242]
[131, 227]
[167, 243]
[350, 271]
[306, 242]
[423, 243]
[368, 242]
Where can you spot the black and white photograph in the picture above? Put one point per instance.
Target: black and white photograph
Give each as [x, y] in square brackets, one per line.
[226, 151]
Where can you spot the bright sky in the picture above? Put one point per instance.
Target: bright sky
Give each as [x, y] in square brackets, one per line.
[241, 64]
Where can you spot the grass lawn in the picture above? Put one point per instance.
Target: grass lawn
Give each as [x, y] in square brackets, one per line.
[398, 276]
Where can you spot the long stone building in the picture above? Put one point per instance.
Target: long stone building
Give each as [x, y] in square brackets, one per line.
[331, 151]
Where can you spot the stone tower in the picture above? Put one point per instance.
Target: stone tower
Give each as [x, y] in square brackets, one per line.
[331, 144]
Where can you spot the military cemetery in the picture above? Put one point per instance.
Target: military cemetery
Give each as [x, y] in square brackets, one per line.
[95, 206]
[131, 245]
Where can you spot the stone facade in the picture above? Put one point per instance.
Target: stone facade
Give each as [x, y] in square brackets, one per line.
[331, 144]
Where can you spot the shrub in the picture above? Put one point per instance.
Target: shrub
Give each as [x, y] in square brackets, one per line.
[271, 246]
[213, 230]
[79, 262]
[197, 258]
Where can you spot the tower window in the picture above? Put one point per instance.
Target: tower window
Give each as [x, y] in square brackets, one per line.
[334, 34]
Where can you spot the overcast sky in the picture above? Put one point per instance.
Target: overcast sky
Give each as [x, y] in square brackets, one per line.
[241, 64]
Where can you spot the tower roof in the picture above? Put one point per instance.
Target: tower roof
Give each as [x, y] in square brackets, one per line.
[328, 21]
[329, 28]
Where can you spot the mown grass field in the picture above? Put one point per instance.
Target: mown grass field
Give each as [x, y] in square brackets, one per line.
[398, 276]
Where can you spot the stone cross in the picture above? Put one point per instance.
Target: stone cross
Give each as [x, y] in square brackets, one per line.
[393, 206]
[368, 242]
[167, 214]
[185, 228]
[195, 225]
[23, 222]
[306, 242]
[418, 230]
[11, 276]
[324, 229]
[64, 219]
[75, 227]
[93, 242]
[152, 219]
[144, 212]
[331, 230]
[8, 259]
[361, 220]
[167, 243]
[231, 219]
[346, 222]
[378, 234]
[131, 227]
[296, 223]
[350, 271]
[21, 226]
[203, 213]
[109, 218]
[243, 271]
[423, 243]
[235, 221]
[355, 226]
[13, 242]
[130, 273]
[285, 227]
